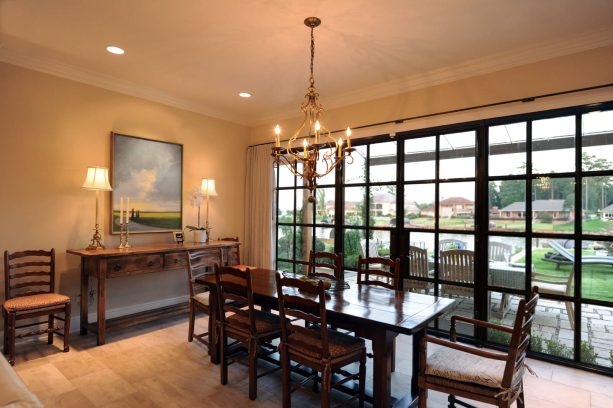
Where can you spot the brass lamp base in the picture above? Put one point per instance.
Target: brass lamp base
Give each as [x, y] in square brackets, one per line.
[96, 239]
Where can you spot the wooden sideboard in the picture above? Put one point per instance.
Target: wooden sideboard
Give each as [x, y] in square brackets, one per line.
[114, 263]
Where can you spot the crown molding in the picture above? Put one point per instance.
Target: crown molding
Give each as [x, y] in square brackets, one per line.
[89, 77]
[480, 66]
[484, 65]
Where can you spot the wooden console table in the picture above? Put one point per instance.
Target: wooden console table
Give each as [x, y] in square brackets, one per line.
[114, 263]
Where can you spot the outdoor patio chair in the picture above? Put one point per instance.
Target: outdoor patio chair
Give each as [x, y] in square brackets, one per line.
[457, 265]
[418, 267]
[499, 251]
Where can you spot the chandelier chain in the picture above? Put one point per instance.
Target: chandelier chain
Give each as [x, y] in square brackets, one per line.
[312, 79]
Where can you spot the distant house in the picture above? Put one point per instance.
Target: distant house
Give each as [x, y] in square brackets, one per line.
[452, 206]
[411, 208]
[382, 204]
[606, 213]
[553, 208]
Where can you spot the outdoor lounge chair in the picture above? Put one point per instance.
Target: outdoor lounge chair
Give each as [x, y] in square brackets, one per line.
[568, 257]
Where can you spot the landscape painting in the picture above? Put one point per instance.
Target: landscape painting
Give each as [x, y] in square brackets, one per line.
[149, 173]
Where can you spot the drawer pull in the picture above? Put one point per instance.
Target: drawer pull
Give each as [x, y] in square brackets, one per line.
[150, 264]
[176, 261]
[117, 267]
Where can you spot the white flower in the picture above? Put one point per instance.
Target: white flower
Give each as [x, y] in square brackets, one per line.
[195, 197]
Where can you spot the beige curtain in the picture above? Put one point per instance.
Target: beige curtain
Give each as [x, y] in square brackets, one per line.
[259, 214]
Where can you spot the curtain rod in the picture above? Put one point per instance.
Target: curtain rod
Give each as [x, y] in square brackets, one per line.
[488, 105]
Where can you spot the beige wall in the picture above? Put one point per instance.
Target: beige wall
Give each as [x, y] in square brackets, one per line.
[51, 129]
[559, 74]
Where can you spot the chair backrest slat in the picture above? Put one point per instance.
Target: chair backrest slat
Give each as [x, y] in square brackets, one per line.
[20, 266]
[391, 277]
[499, 251]
[305, 301]
[520, 338]
[331, 263]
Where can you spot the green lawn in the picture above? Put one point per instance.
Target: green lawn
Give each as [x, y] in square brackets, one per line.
[597, 280]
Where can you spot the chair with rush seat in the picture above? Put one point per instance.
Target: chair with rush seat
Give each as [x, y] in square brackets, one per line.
[29, 287]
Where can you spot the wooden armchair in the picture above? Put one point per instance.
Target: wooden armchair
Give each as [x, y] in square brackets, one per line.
[492, 377]
[326, 265]
[29, 288]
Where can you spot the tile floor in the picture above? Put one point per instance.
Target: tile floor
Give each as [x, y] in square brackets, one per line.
[154, 366]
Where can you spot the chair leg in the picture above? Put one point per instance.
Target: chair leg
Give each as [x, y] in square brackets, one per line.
[11, 337]
[393, 356]
[224, 356]
[50, 326]
[192, 318]
[253, 370]
[5, 343]
[362, 379]
[423, 398]
[67, 314]
[285, 364]
[325, 387]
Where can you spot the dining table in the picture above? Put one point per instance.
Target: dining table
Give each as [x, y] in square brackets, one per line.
[371, 312]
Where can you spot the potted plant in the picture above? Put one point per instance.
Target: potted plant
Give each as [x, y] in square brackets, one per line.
[199, 233]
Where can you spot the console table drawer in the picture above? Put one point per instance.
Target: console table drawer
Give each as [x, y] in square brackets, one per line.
[133, 265]
[175, 260]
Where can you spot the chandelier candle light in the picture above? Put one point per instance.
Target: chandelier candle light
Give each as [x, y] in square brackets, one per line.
[323, 149]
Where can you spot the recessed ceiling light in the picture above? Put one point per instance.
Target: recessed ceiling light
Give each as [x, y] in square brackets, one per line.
[244, 95]
[115, 50]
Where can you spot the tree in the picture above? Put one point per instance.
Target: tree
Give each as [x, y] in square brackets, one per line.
[494, 195]
[511, 191]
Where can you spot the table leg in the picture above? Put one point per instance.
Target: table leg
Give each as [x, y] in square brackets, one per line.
[84, 297]
[382, 344]
[101, 302]
[417, 336]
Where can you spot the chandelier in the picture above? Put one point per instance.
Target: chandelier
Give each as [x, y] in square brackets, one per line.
[324, 153]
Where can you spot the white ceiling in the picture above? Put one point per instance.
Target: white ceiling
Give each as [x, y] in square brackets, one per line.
[199, 54]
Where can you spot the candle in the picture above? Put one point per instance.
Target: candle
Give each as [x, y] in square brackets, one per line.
[305, 144]
[317, 128]
[340, 147]
[348, 132]
[277, 138]
[128, 211]
[121, 210]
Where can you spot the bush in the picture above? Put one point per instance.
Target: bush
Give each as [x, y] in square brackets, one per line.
[352, 247]
[587, 353]
[555, 348]
[498, 336]
[546, 218]
[536, 344]
[319, 245]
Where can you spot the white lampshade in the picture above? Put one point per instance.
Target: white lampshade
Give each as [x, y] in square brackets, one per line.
[97, 179]
[208, 187]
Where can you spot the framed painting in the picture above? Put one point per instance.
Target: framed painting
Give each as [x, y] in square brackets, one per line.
[148, 175]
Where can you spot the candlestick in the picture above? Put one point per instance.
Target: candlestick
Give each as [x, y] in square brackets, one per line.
[120, 246]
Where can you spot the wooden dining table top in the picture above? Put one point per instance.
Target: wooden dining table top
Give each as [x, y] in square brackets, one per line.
[400, 312]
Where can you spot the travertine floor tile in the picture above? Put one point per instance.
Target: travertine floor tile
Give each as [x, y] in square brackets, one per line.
[45, 378]
[103, 386]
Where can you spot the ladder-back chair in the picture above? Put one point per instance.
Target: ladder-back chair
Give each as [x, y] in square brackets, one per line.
[238, 319]
[200, 263]
[316, 346]
[326, 265]
[492, 377]
[29, 288]
[385, 273]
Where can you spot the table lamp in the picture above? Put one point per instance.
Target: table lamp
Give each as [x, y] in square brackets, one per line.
[97, 179]
[208, 190]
